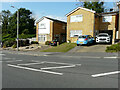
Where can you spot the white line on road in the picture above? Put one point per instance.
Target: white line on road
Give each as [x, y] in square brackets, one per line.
[12, 61]
[105, 74]
[27, 64]
[2, 54]
[111, 57]
[32, 69]
[59, 67]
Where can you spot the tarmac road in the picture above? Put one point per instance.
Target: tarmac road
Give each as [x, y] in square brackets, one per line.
[58, 71]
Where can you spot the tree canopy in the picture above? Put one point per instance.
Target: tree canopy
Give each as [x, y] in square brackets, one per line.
[96, 6]
[9, 23]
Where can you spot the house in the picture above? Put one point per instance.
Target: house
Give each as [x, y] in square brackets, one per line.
[119, 19]
[107, 23]
[48, 29]
[83, 21]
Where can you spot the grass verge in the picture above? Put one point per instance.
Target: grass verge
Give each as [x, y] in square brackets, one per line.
[113, 48]
[61, 48]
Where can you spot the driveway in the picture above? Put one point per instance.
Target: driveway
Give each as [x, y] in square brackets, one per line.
[93, 48]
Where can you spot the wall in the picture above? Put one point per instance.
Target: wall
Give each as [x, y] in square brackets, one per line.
[37, 32]
[59, 30]
[119, 21]
[87, 25]
[45, 30]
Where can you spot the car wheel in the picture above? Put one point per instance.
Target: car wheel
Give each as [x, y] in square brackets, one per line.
[78, 45]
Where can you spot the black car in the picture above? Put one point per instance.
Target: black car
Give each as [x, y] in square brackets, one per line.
[54, 43]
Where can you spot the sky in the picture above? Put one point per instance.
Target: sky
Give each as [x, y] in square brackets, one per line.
[56, 10]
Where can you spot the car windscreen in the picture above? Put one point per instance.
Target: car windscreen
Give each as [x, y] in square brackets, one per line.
[102, 35]
[82, 36]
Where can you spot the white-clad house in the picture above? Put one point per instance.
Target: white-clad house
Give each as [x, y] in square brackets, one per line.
[48, 29]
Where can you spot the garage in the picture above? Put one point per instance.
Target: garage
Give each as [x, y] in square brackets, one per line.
[110, 32]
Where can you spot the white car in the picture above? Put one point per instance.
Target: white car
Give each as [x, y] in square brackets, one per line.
[103, 38]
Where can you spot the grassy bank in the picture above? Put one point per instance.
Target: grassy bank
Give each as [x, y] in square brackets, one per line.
[61, 48]
[113, 48]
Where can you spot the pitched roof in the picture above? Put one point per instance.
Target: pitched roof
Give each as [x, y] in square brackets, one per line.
[107, 13]
[82, 9]
[55, 20]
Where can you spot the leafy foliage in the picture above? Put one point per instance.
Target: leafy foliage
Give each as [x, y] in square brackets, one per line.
[96, 6]
[113, 48]
[9, 25]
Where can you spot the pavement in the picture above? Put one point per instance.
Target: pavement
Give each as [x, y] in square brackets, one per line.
[58, 71]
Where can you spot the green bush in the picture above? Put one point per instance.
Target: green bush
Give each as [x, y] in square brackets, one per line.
[8, 43]
[14, 46]
[23, 42]
[113, 48]
[47, 43]
[34, 42]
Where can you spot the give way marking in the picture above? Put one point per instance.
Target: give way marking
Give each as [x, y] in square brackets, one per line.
[105, 74]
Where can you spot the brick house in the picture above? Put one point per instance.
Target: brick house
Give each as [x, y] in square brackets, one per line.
[119, 18]
[82, 21]
[48, 29]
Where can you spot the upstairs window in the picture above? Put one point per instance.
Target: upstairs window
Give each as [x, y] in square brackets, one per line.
[76, 18]
[42, 26]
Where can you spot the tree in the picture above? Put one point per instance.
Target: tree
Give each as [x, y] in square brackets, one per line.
[96, 6]
[26, 22]
[5, 21]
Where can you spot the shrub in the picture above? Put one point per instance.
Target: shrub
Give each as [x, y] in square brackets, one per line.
[14, 46]
[9, 43]
[34, 42]
[113, 48]
[4, 45]
[23, 42]
[47, 43]
[69, 41]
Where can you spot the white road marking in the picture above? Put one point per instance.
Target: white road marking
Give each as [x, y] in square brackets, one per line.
[59, 67]
[27, 64]
[105, 74]
[8, 58]
[111, 57]
[12, 61]
[32, 69]
[2, 54]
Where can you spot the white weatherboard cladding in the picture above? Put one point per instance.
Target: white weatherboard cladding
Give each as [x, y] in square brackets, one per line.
[44, 26]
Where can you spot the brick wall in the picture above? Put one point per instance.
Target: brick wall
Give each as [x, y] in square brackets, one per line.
[119, 21]
[37, 32]
[59, 29]
[87, 25]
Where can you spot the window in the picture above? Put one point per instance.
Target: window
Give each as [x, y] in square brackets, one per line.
[76, 18]
[107, 19]
[42, 26]
[75, 33]
[42, 38]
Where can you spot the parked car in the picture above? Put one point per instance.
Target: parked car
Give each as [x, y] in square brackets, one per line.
[54, 42]
[103, 38]
[85, 39]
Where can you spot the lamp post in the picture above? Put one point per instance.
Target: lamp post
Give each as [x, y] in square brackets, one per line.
[17, 28]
